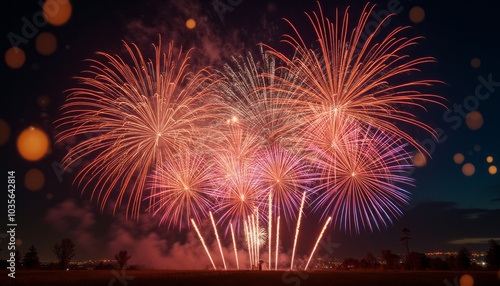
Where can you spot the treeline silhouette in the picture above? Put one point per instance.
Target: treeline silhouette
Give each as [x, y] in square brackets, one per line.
[64, 251]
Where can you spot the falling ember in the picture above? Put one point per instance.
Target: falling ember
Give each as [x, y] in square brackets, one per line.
[297, 229]
[317, 241]
[218, 240]
[203, 242]
[234, 246]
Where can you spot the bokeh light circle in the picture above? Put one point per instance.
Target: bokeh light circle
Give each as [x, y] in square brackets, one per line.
[57, 12]
[34, 180]
[468, 169]
[4, 131]
[489, 159]
[458, 158]
[32, 144]
[476, 148]
[475, 63]
[19, 242]
[419, 160]
[466, 280]
[49, 196]
[474, 120]
[492, 170]
[15, 57]
[43, 101]
[46, 43]
[190, 23]
[417, 14]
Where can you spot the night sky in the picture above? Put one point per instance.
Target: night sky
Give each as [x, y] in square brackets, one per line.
[448, 209]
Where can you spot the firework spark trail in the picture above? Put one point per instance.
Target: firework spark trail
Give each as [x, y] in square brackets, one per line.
[203, 243]
[234, 246]
[249, 243]
[253, 233]
[140, 114]
[277, 243]
[297, 229]
[269, 231]
[317, 242]
[218, 240]
[257, 229]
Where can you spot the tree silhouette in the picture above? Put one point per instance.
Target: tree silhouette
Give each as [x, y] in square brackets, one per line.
[369, 261]
[463, 259]
[493, 255]
[31, 260]
[404, 239]
[64, 252]
[418, 261]
[391, 259]
[122, 258]
[18, 257]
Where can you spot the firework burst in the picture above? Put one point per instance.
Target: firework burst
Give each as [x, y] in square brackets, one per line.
[362, 180]
[284, 175]
[182, 185]
[258, 109]
[140, 114]
[363, 79]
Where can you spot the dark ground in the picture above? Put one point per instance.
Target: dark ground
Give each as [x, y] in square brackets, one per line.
[243, 278]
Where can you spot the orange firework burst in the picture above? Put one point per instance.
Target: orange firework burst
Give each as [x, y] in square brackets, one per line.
[140, 115]
[183, 186]
[367, 81]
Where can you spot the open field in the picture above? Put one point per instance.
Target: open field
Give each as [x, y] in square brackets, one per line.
[243, 278]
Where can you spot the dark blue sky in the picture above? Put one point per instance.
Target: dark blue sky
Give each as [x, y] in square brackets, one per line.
[446, 206]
